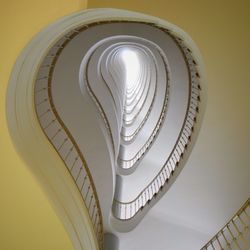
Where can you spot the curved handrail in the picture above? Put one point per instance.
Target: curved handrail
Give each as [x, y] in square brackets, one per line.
[235, 233]
[131, 137]
[55, 130]
[128, 210]
[125, 137]
[126, 164]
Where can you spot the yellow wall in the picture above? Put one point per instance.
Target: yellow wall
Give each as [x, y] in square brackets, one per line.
[219, 27]
[27, 220]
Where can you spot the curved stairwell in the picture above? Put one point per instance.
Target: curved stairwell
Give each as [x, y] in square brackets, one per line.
[123, 139]
[167, 88]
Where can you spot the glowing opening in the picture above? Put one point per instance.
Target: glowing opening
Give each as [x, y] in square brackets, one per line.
[132, 67]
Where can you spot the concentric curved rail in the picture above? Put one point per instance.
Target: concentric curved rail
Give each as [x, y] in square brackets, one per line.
[66, 147]
[130, 163]
[127, 210]
[61, 138]
[235, 234]
[127, 164]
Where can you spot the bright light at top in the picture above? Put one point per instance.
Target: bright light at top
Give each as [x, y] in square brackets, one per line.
[132, 67]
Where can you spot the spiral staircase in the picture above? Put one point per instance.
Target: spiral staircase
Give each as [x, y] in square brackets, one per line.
[119, 98]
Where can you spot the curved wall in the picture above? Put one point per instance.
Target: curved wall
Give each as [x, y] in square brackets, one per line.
[46, 52]
[27, 218]
[182, 70]
[220, 73]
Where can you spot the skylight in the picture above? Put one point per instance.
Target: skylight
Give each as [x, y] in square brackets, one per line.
[132, 67]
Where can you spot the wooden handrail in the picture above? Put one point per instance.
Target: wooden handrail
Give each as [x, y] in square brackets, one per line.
[235, 234]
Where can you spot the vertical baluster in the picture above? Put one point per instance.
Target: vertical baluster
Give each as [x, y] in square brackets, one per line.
[93, 212]
[245, 212]
[125, 211]
[212, 244]
[91, 198]
[130, 210]
[87, 193]
[217, 238]
[233, 237]
[148, 195]
[239, 233]
[243, 223]
[228, 244]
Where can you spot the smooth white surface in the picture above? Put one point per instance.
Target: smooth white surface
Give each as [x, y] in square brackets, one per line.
[132, 67]
[160, 233]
